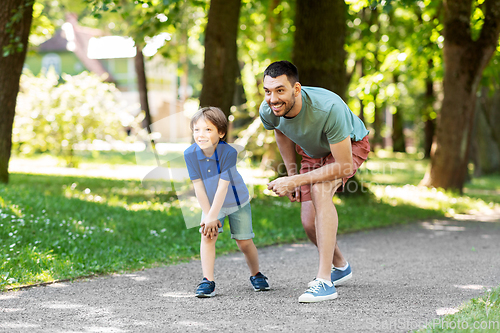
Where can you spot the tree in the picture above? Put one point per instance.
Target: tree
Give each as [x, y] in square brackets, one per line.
[486, 138]
[266, 34]
[15, 25]
[221, 62]
[318, 50]
[142, 87]
[465, 58]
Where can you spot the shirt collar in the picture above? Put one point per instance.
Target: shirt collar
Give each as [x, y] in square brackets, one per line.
[201, 156]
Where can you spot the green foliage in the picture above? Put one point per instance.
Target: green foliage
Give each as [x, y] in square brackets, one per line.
[138, 19]
[478, 315]
[53, 116]
[13, 44]
[42, 25]
[266, 35]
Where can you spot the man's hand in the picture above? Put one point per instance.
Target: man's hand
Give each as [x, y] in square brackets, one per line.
[284, 186]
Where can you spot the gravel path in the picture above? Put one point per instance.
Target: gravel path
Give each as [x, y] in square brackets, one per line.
[403, 278]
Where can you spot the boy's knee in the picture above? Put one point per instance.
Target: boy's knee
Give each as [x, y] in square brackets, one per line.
[208, 240]
[244, 245]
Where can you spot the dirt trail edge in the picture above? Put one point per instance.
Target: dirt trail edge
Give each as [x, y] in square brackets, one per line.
[404, 277]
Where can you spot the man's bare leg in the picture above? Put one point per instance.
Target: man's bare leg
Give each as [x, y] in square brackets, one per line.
[326, 225]
[308, 216]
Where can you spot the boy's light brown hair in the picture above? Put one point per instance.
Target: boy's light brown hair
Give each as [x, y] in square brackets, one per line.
[214, 115]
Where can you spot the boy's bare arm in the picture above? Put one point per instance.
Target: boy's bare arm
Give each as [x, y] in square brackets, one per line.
[211, 222]
[201, 195]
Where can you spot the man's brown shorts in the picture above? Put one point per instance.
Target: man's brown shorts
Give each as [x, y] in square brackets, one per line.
[360, 150]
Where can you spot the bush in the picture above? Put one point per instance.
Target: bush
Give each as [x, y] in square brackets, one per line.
[54, 116]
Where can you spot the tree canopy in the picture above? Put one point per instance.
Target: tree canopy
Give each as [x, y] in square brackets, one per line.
[397, 58]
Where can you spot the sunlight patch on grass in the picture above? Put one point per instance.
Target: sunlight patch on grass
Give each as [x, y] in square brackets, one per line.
[431, 198]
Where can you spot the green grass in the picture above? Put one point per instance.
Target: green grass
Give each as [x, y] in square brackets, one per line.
[56, 227]
[478, 315]
[395, 169]
[89, 159]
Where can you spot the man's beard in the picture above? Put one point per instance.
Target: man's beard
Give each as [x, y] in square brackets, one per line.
[286, 110]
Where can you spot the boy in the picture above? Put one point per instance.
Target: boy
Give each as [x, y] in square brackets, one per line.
[221, 192]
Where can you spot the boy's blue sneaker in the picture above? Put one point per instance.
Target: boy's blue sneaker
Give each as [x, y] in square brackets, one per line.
[318, 291]
[259, 282]
[205, 289]
[338, 277]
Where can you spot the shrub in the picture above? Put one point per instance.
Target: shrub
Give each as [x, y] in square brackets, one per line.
[54, 116]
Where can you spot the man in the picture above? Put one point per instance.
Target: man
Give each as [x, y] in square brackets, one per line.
[333, 143]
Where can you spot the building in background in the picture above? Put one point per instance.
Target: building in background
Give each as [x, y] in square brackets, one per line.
[74, 49]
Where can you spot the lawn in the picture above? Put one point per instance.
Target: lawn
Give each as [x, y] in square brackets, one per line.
[61, 227]
[481, 314]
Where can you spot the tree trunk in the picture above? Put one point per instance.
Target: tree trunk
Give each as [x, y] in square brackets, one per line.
[378, 122]
[13, 39]
[429, 122]
[318, 50]
[271, 157]
[486, 138]
[398, 136]
[185, 68]
[429, 130]
[464, 61]
[319, 54]
[361, 72]
[274, 21]
[221, 62]
[142, 86]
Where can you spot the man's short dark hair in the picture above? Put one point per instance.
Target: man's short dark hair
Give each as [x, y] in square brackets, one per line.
[283, 67]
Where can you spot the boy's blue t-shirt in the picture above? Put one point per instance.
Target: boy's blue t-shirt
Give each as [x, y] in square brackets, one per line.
[209, 171]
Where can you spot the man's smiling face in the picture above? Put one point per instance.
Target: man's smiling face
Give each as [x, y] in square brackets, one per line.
[280, 95]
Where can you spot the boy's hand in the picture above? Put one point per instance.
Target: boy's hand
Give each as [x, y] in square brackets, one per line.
[294, 196]
[210, 228]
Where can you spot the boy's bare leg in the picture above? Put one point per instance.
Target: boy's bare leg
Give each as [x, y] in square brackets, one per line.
[207, 253]
[308, 217]
[249, 249]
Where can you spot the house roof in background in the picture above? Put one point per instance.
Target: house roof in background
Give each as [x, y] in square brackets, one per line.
[111, 47]
[75, 38]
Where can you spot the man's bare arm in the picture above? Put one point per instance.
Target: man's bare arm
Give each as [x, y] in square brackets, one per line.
[342, 167]
[287, 151]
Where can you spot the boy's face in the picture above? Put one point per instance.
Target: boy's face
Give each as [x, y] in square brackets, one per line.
[206, 134]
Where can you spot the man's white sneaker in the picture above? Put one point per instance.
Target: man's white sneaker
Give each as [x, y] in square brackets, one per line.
[318, 291]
